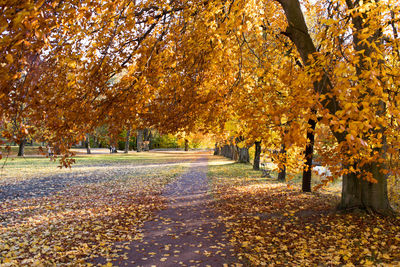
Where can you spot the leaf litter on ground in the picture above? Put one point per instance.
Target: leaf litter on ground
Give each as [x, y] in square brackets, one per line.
[68, 216]
[274, 224]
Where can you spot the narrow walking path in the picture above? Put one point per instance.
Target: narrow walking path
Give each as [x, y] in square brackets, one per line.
[188, 232]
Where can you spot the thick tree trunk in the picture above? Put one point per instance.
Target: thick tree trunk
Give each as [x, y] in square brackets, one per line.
[21, 147]
[128, 137]
[361, 194]
[186, 145]
[244, 156]
[139, 140]
[282, 169]
[257, 155]
[307, 170]
[87, 144]
[355, 193]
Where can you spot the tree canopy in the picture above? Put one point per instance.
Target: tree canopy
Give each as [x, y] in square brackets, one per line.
[269, 67]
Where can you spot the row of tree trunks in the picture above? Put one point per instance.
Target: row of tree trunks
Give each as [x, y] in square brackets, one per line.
[233, 152]
[244, 157]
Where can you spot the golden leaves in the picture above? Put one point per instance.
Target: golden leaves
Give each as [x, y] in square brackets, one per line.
[77, 221]
[270, 223]
[9, 58]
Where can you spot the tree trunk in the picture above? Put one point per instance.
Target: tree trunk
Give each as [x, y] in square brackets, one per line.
[225, 151]
[216, 150]
[139, 140]
[146, 139]
[257, 154]
[355, 193]
[361, 194]
[282, 169]
[87, 144]
[186, 145]
[128, 137]
[244, 156]
[235, 152]
[307, 170]
[21, 147]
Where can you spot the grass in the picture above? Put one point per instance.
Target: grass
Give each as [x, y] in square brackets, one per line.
[19, 168]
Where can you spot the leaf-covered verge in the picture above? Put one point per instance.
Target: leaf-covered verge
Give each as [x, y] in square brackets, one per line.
[50, 216]
[273, 224]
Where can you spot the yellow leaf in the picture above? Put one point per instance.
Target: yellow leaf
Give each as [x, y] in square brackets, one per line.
[9, 58]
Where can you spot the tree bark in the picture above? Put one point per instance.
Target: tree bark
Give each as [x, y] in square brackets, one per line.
[146, 139]
[87, 144]
[235, 152]
[217, 150]
[21, 147]
[257, 155]
[223, 151]
[244, 156]
[359, 194]
[226, 151]
[355, 193]
[186, 145]
[282, 168]
[139, 140]
[128, 137]
[307, 170]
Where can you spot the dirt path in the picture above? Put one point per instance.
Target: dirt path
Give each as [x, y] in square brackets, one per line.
[188, 232]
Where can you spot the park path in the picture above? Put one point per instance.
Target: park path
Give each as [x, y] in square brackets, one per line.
[188, 232]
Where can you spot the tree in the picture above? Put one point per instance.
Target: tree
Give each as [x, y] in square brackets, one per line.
[186, 145]
[128, 136]
[257, 154]
[364, 184]
[139, 140]
[87, 144]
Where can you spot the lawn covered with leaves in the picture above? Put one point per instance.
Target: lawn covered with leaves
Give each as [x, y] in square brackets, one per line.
[273, 224]
[52, 216]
